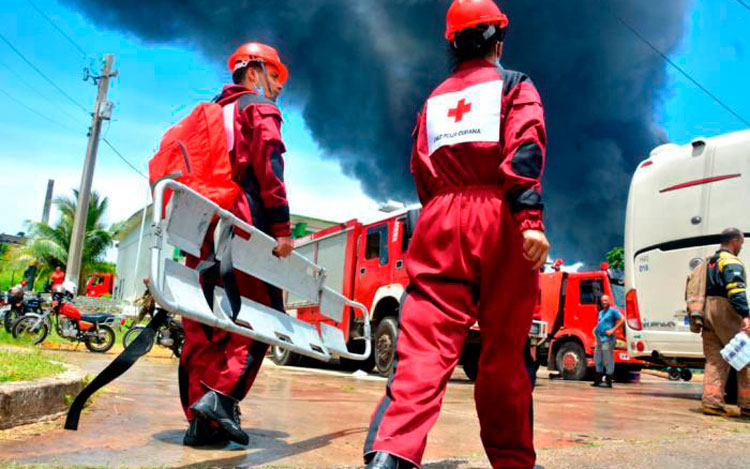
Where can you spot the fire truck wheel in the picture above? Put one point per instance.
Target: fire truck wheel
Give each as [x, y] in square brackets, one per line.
[384, 344]
[358, 346]
[571, 361]
[284, 357]
[470, 361]
[686, 374]
[674, 374]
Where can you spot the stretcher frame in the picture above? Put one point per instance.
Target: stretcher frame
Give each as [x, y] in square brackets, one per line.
[177, 288]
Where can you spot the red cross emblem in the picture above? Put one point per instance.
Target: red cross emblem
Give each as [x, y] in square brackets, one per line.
[461, 108]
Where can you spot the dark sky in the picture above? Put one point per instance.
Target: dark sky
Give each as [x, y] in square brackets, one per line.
[364, 67]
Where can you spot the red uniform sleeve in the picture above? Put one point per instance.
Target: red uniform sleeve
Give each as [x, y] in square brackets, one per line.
[524, 147]
[266, 148]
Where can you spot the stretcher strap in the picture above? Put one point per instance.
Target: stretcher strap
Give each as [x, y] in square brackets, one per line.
[211, 270]
[127, 358]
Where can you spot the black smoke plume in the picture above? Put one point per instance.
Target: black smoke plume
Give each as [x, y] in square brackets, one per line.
[362, 68]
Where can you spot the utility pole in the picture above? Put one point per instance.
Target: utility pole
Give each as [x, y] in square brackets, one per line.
[48, 201]
[101, 112]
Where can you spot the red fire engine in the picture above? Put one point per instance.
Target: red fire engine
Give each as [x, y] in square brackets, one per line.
[569, 305]
[364, 262]
[99, 285]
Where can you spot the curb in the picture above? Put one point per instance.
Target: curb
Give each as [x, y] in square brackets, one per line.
[25, 402]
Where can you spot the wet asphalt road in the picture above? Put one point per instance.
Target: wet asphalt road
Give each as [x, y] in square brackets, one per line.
[299, 417]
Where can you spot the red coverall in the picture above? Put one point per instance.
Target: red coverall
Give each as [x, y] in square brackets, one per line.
[225, 362]
[477, 161]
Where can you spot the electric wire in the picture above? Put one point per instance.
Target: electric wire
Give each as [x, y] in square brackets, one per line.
[59, 30]
[34, 111]
[746, 5]
[82, 51]
[46, 78]
[678, 68]
[35, 90]
[125, 160]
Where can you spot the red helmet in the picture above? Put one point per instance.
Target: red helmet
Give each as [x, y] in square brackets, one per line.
[260, 52]
[464, 14]
[24, 282]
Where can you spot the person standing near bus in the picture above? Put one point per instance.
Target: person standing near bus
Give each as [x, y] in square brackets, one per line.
[475, 255]
[610, 321]
[726, 313]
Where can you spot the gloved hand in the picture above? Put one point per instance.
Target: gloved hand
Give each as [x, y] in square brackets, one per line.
[535, 248]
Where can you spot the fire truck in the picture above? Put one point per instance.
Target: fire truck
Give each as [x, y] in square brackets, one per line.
[364, 262]
[569, 306]
[99, 285]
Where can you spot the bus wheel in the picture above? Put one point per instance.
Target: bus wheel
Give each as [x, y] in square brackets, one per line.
[571, 361]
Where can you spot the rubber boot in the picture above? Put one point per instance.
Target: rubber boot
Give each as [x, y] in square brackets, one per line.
[223, 410]
[388, 461]
[609, 381]
[597, 380]
[201, 433]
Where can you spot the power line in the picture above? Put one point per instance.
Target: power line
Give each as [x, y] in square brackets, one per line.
[54, 25]
[54, 85]
[678, 68]
[747, 7]
[34, 89]
[125, 160]
[34, 111]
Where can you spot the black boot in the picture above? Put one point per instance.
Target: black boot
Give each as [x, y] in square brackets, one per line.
[597, 380]
[219, 408]
[388, 461]
[200, 433]
[609, 381]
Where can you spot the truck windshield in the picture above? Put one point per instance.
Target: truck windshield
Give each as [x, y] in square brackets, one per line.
[618, 291]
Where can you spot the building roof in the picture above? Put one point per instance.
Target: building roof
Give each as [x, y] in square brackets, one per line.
[11, 239]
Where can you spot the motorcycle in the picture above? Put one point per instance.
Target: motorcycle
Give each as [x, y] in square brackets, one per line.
[17, 305]
[94, 330]
[170, 335]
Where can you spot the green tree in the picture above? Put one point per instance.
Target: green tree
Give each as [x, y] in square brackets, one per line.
[616, 258]
[48, 245]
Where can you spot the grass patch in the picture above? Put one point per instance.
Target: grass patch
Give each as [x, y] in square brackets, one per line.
[26, 365]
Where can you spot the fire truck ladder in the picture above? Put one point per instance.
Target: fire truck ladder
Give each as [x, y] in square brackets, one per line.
[245, 248]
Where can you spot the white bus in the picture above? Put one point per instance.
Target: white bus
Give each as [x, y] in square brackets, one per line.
[680, 199]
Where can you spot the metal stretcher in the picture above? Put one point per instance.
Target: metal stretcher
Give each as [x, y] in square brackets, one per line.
[177, 288]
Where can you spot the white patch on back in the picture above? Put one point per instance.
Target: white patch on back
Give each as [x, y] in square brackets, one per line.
[469, 115]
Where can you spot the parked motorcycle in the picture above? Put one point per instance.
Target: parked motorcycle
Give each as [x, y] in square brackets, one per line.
[170, 335]
[17, 304]
[94, 330]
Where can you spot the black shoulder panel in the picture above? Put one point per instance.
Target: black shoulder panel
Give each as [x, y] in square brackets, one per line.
[511, 79]
[248, 99]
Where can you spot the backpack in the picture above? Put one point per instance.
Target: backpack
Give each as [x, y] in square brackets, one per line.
[695, 296]
[195, 152]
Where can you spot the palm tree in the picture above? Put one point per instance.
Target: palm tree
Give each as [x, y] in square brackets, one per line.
[48, 245]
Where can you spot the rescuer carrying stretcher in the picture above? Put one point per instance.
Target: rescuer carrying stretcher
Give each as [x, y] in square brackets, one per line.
[477, 161]
[217, 368]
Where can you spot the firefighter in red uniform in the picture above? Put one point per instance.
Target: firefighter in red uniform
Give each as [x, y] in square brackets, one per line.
[218, 368]
[477, 161]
